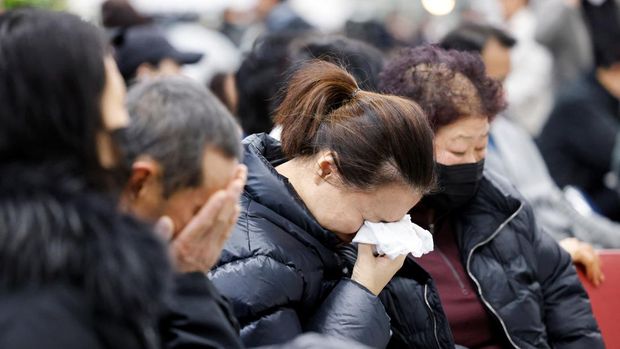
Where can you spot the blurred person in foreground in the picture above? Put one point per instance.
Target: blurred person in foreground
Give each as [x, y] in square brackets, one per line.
[501, 281]
[347, 155]
[577, 141]
[75, 273]
[510, 147]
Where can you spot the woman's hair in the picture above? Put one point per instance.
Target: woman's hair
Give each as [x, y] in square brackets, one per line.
[375, 139]
[447, 84]
[52, 77]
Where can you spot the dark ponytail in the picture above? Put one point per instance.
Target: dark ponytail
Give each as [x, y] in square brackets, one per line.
[313, 93]
[375, 139]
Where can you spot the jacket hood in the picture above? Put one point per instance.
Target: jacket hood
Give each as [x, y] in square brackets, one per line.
[54, 231]
[267, 187]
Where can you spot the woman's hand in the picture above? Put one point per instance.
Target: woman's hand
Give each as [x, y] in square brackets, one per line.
[374, 272]
[584, 254]
[198, 246]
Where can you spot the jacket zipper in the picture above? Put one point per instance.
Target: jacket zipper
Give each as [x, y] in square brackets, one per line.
[432, 315]
[478, 283]
[455, 274]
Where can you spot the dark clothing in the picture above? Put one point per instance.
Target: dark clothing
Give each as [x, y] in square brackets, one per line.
[199, 317]
[522, 276]
[53, 317]
[74, 273]
[280, 270]
[578, 140]
[471, 325]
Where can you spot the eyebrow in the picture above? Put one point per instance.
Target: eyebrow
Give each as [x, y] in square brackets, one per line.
[462, 136]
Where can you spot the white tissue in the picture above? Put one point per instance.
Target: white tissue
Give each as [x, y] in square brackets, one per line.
[397, 238]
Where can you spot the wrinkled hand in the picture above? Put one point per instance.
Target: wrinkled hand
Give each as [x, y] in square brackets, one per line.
[584, 254]
[374, 272]
[199, 244]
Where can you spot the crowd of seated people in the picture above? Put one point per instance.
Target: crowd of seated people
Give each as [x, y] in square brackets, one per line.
[141, 208]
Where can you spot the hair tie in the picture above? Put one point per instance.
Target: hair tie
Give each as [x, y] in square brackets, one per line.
[354, 94]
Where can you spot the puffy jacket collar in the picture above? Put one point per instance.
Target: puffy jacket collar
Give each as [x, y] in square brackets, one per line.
[267, 187]
[494, 204]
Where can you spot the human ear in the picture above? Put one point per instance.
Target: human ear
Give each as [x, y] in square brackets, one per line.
[326, 166]
[143, 172]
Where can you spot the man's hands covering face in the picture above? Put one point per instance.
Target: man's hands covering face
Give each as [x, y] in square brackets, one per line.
[199, 244]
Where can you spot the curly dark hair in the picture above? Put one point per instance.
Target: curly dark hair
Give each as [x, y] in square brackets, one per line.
[447, 84]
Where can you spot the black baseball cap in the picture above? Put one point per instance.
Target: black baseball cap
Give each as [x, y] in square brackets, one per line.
[146, 44]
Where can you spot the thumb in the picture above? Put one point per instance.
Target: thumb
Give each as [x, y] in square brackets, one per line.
[164, 228]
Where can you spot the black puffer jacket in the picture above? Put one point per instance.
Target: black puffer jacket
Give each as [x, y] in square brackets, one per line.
[523, 277]
[280, 270]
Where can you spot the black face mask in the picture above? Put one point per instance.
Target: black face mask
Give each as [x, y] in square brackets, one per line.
[458, 184]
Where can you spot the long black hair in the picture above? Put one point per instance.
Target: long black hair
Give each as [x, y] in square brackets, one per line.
[57, 230]
[52, 77]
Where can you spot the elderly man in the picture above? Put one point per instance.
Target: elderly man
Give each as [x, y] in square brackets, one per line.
[186, 180]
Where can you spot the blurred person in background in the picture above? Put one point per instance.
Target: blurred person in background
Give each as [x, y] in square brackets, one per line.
[510, 147]
[143, 52]
[223, 87]
[361, 60]
[187, 31]
[259, 78]
[265, 70]
[75, 273]
[372, 32]
[577, 141]
[245, 26]
[501, 281]
[347, 155]
[529, 83]
[119, 14]
[562, 30]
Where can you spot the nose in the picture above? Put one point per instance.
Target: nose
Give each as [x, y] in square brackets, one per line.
[471, 158]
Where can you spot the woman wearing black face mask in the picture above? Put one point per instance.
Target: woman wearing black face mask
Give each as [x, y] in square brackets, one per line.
[500, 281]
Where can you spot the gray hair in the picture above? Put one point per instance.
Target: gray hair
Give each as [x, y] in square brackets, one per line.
[174, 120]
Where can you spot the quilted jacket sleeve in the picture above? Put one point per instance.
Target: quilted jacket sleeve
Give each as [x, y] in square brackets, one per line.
[568, 314]
[265, 293]
[351, 311]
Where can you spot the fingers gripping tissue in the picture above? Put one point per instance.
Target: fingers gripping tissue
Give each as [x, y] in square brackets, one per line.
[397, 238]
